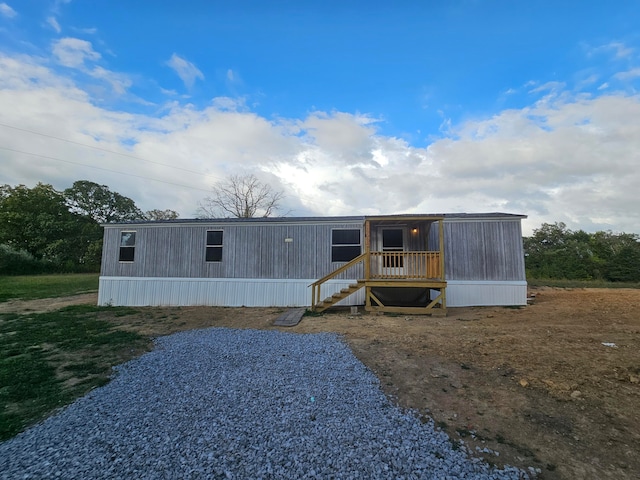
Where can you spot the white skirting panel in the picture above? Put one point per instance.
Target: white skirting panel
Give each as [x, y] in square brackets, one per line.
[226, 292]
[477, 293]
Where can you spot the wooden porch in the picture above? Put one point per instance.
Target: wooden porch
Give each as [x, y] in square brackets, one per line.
[392, 275]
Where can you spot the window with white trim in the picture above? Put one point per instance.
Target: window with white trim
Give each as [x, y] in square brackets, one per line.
[127, 246]
[214, 246]
[345, 244]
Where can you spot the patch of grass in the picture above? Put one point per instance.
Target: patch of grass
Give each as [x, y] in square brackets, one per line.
[563, 283]
[30, 287]
[49, 359]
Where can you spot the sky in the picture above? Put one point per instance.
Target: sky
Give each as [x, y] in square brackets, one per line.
[348, 107]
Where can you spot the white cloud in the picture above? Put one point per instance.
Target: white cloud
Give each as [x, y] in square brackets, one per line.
[628, 75]
[54, 24]
[228, 103]
[570, 159]
[620, 49]
[547, 87]
[345, 136]
[73, 52]
[88, 31]
[118, 82]
[76, 53]
[7, 11]
[562, 162]
[587, 82]
[186, 70]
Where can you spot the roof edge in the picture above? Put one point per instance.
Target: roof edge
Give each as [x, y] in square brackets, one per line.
[335, 219]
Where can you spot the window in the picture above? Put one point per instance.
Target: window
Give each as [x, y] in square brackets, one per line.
[214, 246]
[127, 246]
[345, 245]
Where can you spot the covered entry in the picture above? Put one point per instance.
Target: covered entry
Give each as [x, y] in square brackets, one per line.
[403, 263]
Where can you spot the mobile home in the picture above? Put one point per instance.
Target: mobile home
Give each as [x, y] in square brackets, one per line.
[403, 263]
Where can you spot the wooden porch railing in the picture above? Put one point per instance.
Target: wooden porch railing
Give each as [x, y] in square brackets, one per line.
[315, 286]
[388, 266]
[404, 265]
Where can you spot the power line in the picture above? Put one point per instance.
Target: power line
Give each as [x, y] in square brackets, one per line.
[113, 152]
[104, 169]
[101, 149]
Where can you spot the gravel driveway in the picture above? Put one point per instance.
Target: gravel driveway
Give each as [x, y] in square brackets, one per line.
[241, 404]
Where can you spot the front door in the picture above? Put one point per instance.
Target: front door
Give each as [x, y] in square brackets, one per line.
[393, 246]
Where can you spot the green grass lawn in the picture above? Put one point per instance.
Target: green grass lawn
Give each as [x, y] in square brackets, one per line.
[29, 287]
[49, 359]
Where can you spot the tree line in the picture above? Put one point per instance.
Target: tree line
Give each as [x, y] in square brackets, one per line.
[43, 230]
[556, 252]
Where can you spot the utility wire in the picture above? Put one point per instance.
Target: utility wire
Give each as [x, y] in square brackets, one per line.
[104, 169]
[107, 151]
[101, 149]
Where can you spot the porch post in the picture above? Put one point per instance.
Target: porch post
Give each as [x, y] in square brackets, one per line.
[441, 241]
[367, 249]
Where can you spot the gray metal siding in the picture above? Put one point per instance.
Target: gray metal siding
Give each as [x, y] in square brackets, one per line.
[413, 242]
[249, 251]
[482, 250]
[226, 292]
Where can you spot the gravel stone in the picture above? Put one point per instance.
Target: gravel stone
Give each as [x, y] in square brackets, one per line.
[235, 404]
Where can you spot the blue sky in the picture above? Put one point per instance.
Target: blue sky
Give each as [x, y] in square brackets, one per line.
[349, 107]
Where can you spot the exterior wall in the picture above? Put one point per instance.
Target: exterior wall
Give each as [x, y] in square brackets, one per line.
[252, 250]
[148, 291]
[482, 250]
[477, 294]
[484, 262]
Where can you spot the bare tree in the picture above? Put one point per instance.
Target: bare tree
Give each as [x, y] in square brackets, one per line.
[241, 196]
[161, 214]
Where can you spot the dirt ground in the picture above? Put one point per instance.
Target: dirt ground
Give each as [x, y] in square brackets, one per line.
[554, 385]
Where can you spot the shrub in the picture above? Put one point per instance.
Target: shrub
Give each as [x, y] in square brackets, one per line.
[20, 262]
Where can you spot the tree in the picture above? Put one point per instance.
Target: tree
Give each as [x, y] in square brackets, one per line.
[100, 203]
[618, 254]
[160, 214]
[241, 196]
[625, 265]
[553, 251]
[44, 230]
[36, 220]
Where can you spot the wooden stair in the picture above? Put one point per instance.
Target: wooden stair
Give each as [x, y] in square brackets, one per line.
[336, 297]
